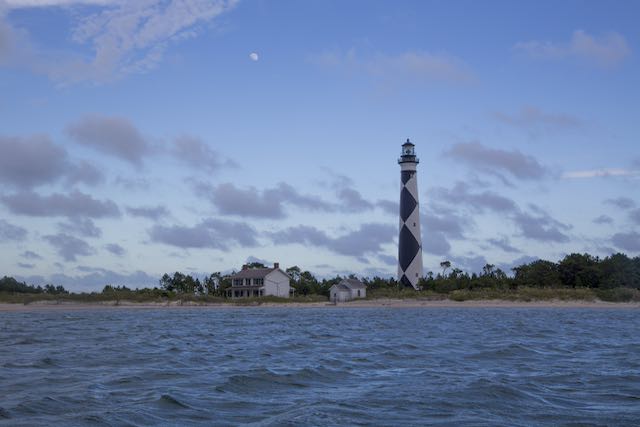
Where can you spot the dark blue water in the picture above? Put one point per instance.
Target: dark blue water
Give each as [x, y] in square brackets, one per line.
[329, 366]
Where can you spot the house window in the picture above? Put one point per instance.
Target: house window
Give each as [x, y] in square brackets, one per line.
[247, 282]
[237, 282]
[259, 282]
[358, 292]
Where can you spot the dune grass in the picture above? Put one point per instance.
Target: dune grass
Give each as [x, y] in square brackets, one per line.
[523, 294]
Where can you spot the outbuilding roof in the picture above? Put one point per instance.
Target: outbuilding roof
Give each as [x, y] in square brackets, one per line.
[340, 287]
[353, 284]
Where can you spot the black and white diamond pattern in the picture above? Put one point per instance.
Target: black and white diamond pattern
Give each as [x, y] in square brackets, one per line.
[410, 242]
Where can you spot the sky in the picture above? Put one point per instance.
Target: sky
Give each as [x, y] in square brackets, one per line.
[138, 138]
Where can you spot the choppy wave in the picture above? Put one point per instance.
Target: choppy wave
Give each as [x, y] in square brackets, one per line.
[279, 367]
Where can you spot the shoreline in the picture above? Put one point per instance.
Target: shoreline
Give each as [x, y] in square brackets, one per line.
[376, 303]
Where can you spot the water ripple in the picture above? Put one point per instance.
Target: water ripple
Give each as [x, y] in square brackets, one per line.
[291, 367]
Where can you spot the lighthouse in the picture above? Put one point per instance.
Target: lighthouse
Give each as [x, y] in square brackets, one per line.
[410, 241]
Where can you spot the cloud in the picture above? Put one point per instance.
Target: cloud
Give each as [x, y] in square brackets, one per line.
[84, 172]
[621, 202]
[269, 203]
[10, 232]
[150, 212]
[607, 50]
[27, 162]
[461, 195]
[26, 265]
[19, 4]
[133, 184]
[73, 205]
[536, 225]
[440, 224]
[541, 227]
[634, 215]
[603, 219]
[30, 255]
[435, 243]
[439, 219]
[627, 241]
[124, 36]
[496, 161]
[115, 136]
[535, 121]
[210, 233]
[352, 201]
[504, 244]
[410, 66]
[80, 226]
[368, 239]
[69, 247]
[392, 208]
[388, 259]
[601, 173]
[231, 200]
[473, 263]
[115, 249]
[200, 156]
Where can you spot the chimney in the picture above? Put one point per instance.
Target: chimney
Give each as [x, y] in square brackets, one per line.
[245, 267]
[276, 265]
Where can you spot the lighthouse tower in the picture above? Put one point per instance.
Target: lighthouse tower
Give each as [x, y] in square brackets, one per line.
[410, 242]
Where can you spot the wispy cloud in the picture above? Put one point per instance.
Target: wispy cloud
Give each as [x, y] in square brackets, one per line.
[20, 4]
[621, 202]
[124, 36]
[417, 66]
[497, 161]
[601, 173]
[535, 121]
[606, 50]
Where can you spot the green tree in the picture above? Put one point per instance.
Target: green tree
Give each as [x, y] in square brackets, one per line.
[445, 265]
[578, 270]
[539, 273]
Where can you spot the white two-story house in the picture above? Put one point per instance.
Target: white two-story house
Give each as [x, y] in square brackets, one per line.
[258, 282]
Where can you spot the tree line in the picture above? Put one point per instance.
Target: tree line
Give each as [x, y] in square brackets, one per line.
[11, 285]
[573, 271]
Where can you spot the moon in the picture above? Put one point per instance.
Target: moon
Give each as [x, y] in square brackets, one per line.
[254, 56]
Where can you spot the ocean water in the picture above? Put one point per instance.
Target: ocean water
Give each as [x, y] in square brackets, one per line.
[320, 366]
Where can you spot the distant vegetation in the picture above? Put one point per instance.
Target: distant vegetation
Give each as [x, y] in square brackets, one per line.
[575, 277]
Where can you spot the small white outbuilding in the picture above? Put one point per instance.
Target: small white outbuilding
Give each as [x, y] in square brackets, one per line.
[347, 289]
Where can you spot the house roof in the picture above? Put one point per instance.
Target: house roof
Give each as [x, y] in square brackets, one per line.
[255, 273]
[340, 287]
[353, 284]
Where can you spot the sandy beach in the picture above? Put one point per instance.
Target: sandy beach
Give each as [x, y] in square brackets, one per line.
[377, 303]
